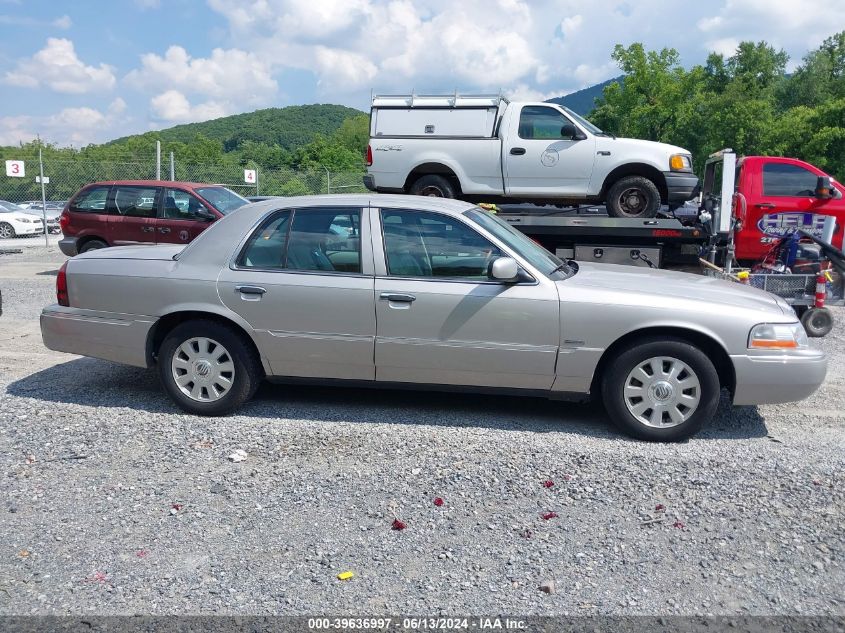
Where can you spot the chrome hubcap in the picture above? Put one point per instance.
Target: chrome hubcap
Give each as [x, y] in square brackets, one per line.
[203, 369]
[431, 192]
[5, 230]
[662, 392]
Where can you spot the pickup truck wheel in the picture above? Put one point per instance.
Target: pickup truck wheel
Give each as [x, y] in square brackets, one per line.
[93, 245]
[6, 230]
[207, 368]
[633, 197]
[661, 390]
[433, 186]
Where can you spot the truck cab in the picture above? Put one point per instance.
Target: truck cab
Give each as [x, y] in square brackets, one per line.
[767, 197]
[485, 148]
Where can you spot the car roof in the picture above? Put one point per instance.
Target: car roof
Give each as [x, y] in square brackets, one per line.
[378, 200]
[155, 183]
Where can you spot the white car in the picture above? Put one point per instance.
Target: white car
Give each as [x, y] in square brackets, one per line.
[14, 221]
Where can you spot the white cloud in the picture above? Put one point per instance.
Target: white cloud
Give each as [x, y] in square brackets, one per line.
[59, 68]
[795, 25]
[725, 46]
[227, 76]
[570, 25]
[77, 126]
[173, 107]
[63, 22]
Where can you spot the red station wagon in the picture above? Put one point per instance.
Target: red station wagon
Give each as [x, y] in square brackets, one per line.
[117, 213]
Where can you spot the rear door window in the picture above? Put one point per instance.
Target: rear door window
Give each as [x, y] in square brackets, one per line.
[91, 200]
[135, 202]
[319, 240]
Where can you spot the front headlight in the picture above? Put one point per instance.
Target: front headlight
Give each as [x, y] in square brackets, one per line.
[680, 162]
[24, 220]
[778, 336]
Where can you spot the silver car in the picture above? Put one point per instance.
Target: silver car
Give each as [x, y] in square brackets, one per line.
[402, 290]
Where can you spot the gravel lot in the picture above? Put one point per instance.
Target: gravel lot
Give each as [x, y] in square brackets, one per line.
[115, 503]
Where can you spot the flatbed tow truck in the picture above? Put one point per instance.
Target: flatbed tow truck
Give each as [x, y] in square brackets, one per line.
[744, 207]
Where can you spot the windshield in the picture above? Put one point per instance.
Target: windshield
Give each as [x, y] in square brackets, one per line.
[524, 246]
[592, 129]
[5, 205]
[224, 200]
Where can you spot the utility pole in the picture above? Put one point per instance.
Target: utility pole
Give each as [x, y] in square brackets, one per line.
[43, 194]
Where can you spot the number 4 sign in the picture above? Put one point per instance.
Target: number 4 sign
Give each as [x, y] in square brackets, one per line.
[15, 169]
[249, 176]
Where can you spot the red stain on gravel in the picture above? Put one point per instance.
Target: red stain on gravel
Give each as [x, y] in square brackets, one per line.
[398, 525]
[141, 553]
[549, 515]
[438, 501]
[97, 577]
[548, 483]
[659, 507]
[679, 524]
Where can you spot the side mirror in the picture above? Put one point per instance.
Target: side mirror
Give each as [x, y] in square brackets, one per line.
[823, 188]
[504, 269]
[571, 132]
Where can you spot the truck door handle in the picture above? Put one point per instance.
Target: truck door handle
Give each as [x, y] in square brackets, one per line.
[147, 229]
[390, 296]
[165, 229]
[250, 290]
[517, 151]
[764, 205]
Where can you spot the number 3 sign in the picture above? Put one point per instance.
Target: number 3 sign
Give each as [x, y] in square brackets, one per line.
[15, 168]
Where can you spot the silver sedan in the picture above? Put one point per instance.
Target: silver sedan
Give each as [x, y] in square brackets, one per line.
[410, 291]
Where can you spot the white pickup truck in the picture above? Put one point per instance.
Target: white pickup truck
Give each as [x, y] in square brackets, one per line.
[487, 149]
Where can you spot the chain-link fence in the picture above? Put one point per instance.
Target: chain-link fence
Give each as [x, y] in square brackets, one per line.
[63, 178]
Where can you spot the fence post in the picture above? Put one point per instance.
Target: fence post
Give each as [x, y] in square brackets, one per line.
[172, 168]
[328, 180]
[43, 196]
[158, 160]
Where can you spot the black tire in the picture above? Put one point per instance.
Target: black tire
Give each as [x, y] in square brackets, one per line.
[7, 231]
[618, 370]
[245, 378]
[817, 322]
[633, 197]
[434, 186]
[93, 245]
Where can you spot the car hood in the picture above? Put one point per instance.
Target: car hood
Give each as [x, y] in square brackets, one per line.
[640, 282]
[15, 215]
[153, 251]
[634, 143]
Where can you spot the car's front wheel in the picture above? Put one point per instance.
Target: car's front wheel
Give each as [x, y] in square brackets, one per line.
[208, 368]
[6, 230]
[661, 389]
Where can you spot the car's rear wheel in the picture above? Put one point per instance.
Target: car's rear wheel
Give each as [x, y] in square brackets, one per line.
[7, 231]
[93, 245]
[661, 389]
[433, 186]
[208, 368]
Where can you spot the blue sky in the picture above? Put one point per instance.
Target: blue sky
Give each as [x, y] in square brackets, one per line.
[82, 71]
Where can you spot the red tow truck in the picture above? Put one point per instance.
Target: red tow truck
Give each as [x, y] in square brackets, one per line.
[764, 196]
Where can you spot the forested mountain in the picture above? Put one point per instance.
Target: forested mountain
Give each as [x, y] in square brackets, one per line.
[289, 127]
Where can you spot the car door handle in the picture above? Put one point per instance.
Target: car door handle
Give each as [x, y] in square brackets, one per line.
[517, 151]
[250, 290]
[147, 229]
[165, 229]
[392, 296]
[764, 205]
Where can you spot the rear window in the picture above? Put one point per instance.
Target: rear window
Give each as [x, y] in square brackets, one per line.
[222, 199]
[91, 200]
